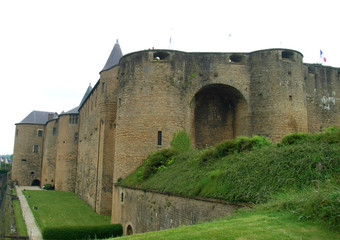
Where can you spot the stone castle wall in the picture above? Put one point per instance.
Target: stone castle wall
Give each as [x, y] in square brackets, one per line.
[322, 96]
[49, 153]
[141, 211]
[278, 105]
[26, 166]
[67, 152]
[97, 144]
[88, 150]
[137, 106]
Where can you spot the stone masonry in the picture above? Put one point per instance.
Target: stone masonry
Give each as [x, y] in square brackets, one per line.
[143, 98]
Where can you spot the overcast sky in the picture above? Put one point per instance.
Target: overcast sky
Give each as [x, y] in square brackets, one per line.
[50, 51]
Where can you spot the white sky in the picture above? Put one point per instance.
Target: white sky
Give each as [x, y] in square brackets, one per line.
[51, 50]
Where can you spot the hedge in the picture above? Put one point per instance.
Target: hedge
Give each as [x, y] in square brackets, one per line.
[83, 232]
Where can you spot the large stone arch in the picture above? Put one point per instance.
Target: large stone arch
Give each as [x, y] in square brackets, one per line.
[220, 112]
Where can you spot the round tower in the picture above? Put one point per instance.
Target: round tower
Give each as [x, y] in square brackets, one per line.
[148, 111]
[277, 91]
[49, 153]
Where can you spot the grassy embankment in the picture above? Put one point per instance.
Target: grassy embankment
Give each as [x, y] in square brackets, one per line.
[297, 181]
[58, 209]
[19, 220]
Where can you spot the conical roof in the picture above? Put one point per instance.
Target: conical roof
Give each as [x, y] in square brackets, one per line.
[114, 57]
[87, 93]
[76, 109]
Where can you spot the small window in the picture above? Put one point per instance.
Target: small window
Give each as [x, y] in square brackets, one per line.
[40, 132]
[236, 58]
[32, 173]
[54, 131]
[73, 119]
[288, 55]
[23, 160]
[122, 197]
[75, 137]
[103, 87]
[290, 98]
[17, 132]
[160, 56]
[159, 140]
[35, 148]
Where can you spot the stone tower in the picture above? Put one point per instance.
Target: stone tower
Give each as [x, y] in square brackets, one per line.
[28, 148]
[96, 148]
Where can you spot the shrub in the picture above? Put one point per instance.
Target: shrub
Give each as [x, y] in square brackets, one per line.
[241, 144]
[330, 135]
[83, 232]
[295, 138]
[48, 187]
[181, 142]
[226, 148]
[3, 171]
[255, 142]
[158, 160]
[206, 155]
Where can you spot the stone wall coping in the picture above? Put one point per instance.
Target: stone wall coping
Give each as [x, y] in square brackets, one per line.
[212, 200]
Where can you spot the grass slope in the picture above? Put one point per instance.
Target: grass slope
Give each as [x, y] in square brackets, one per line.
[250, 177]
[260, 225]
[19, 220]
[300, 175]
[57, 209]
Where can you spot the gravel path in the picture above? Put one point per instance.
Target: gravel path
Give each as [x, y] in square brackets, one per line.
[32, 228]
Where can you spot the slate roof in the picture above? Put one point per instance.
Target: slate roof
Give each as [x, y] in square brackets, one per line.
[87, 93]
[76, 109]
[38, 117]
[114, 57]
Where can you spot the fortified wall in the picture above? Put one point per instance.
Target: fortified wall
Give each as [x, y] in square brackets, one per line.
[143, 98]
[141, 211]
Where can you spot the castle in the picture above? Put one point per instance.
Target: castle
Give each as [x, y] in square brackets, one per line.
[143, 98]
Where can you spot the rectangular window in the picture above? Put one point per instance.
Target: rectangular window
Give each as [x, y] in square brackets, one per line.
[40, 132]
[23, 160]
[159, 140]
[73, 119]
[35, 148]
[54, 131]
[75, 137]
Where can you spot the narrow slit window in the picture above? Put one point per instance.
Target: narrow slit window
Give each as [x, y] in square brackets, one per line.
[76, 137]
[103, 87]
[54, 131]
[159, 139]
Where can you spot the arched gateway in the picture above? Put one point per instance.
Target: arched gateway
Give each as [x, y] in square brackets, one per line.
[220, 113]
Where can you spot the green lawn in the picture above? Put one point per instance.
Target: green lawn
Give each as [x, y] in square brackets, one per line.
[260, 225]
[19, 220]
[57, 209]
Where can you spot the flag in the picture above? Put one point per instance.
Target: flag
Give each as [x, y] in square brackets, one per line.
[322, 56]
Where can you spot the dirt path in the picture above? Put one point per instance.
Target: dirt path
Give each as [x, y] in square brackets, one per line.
[32, 228]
